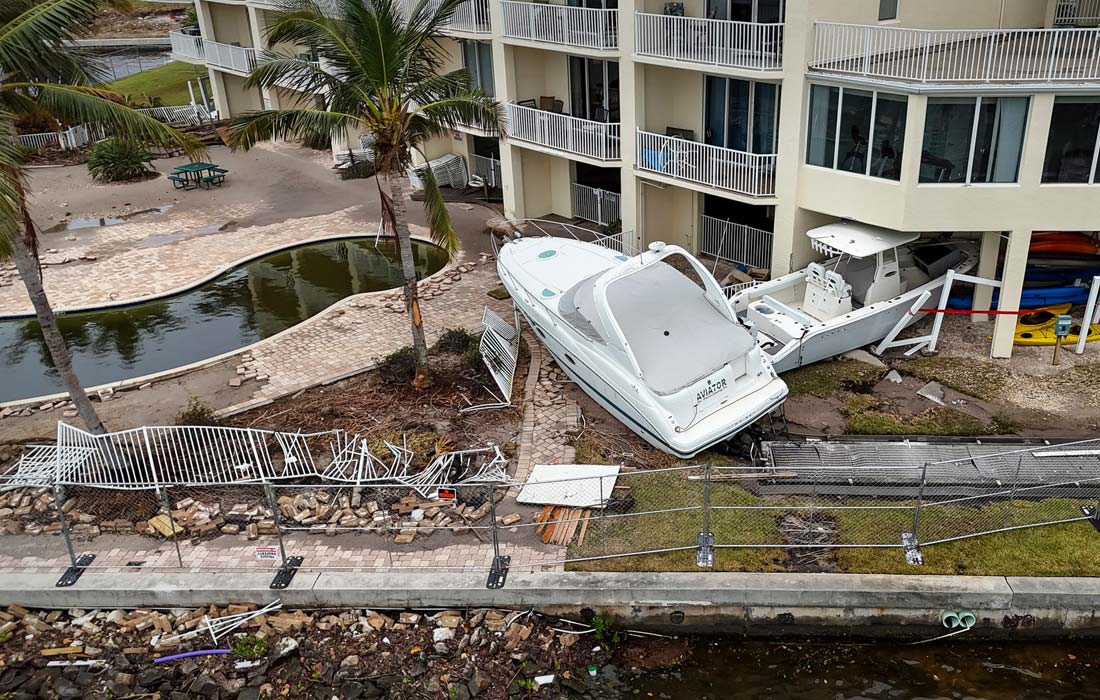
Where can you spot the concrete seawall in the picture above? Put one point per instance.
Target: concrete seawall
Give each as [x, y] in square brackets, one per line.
[727, 603]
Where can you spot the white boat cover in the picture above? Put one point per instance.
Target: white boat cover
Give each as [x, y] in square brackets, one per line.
[856, 239]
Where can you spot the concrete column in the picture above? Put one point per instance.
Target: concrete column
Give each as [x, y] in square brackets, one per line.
[631, 111]
[217, 84]
[510, 157]
[1012, 283]
[987, 267]
[915, 113]
[257, 25]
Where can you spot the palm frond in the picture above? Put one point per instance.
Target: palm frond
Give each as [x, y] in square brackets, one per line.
[439, 219]
[11, 179]
[291, 72]
[250, 128]
[34, 44]
[76, 104]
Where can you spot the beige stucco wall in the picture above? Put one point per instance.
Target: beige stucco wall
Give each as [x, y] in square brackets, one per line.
[669, 214]
[673, 98]
[239, 98]
[537, 73]
[546, 184]
[230, 23]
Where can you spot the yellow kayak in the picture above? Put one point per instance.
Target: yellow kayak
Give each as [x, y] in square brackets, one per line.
[1045, 335]
[1040, 318]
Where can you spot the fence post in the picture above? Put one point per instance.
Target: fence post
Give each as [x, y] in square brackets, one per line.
[77, 566]
[910, 541]
[704, 541]
[290, 564]
[167, 504]
[498, 572]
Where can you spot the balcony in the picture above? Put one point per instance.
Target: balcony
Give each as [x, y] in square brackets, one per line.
[712, 42]
[750, 174]
[561, 132]
[957, 55]
[582, 27]
[187, 47]
[598, 206]
[1077, 13]
[735, 243]
[239, 59]
[471, 17]
[488, 169]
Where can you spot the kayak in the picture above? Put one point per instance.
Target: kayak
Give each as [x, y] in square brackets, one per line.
[1045, 336]
[1040, 318]
[1033, 298]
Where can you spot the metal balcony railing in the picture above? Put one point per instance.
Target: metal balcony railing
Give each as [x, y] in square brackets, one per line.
[488, 169]
[596, 205]
[584, 137]
[957, 55]
[751, 174]
[716, 42]
[1077, 13]
[736, 243]
[187, 46]
[241, 59]
[584, 27]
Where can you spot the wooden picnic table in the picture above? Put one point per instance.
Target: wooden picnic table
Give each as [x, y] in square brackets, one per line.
[192, 175]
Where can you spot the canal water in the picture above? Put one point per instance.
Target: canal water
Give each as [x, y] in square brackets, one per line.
[944, 670]
[239, 307]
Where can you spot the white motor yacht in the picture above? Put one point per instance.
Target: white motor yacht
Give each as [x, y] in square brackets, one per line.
[651, 338]
[869, 283]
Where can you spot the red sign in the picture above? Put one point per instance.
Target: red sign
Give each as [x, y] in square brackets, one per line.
[446, 495]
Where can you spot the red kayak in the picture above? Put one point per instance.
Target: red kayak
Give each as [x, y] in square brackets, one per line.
[1064, 242]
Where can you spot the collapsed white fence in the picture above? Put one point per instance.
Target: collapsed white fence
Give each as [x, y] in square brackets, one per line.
[83, 134]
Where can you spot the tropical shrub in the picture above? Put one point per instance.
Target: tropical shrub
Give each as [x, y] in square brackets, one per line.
[119, 160]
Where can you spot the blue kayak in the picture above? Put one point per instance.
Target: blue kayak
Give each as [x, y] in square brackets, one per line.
[1031, 298]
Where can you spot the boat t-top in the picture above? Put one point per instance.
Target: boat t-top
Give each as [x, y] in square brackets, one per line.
[856, 297]
[651, 338]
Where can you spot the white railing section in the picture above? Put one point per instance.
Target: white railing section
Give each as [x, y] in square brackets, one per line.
[586, 27]
[178, 115]
[735, 243]
[595, 205]
[44, 139]
[488, 169]
[711, 41]
[83, 134]
[471, 16]
[1077, 13]
[241, 59]
[562, 132]
[724, 168]
[957, 55]
[187, 45]
[621, 242]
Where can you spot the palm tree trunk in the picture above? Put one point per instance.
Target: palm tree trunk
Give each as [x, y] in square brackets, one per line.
[396, 184]
[25, 254]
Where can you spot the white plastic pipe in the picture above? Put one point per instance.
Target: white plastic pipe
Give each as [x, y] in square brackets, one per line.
[1090, 316]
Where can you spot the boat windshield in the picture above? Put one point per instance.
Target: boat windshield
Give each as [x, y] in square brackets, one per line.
[676, 335]
[578, 309]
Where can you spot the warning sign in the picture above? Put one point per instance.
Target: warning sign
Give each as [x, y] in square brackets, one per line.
[446, 495]
[267, 554]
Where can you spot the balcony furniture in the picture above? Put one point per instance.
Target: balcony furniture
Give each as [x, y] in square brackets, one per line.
[528, 103]
[546, 102]
[685, 134]
[557, 107]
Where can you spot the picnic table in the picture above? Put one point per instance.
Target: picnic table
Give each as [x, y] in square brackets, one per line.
[190, 176]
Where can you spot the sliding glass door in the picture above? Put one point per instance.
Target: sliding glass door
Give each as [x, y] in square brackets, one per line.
[763, 11]
[594, 89]
[741, 114]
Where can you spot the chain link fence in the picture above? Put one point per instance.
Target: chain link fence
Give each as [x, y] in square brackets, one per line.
[615, 519]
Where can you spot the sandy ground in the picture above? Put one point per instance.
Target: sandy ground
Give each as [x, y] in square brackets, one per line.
[270, 184]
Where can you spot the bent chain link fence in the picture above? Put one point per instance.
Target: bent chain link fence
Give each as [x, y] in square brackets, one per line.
[656, 519]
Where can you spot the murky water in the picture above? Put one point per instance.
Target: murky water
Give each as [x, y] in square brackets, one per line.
[247, 304]
[947, 670]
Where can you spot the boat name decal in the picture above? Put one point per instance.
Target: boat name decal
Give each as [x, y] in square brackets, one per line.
[711, 389]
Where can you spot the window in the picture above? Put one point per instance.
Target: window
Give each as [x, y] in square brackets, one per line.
[858, 131]
[594, 89]
[741, 114]
[973, 139]
[477, 59]
[887, 10]
[1073, 142]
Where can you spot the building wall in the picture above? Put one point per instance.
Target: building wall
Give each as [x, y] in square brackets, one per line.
[230, 23]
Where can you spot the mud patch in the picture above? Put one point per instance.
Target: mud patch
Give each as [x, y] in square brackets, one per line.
[809, 536]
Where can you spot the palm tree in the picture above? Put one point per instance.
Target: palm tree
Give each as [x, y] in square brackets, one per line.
[42, 76]
[380, 73]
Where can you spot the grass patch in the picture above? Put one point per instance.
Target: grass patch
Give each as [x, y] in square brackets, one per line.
[865, 415]
[167, 82]
[827, 379]
[198, 412]
[978, 378]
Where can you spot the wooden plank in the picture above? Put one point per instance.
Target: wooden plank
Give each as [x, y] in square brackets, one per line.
[542, 518]
[548, 533]
[584, 527]
[61, 651]
[575, 517]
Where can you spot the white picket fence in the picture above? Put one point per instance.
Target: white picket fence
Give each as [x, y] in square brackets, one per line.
[595, 205]
[736, 243]
[83, 134]
[586, 27]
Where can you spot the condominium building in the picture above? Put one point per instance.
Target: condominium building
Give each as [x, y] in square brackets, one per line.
[732, 127]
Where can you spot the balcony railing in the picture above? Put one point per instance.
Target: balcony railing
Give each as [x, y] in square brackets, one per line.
[596, 205]
[241, 59]
[1077, 13]
[736, 243]
[488, 169]
[187, 46]
[471, 16]
[584, 137]
[710, 41]
[586, 27]
[957, 55]
[750, 174]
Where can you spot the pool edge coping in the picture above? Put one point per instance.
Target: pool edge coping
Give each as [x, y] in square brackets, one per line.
[253, 402]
